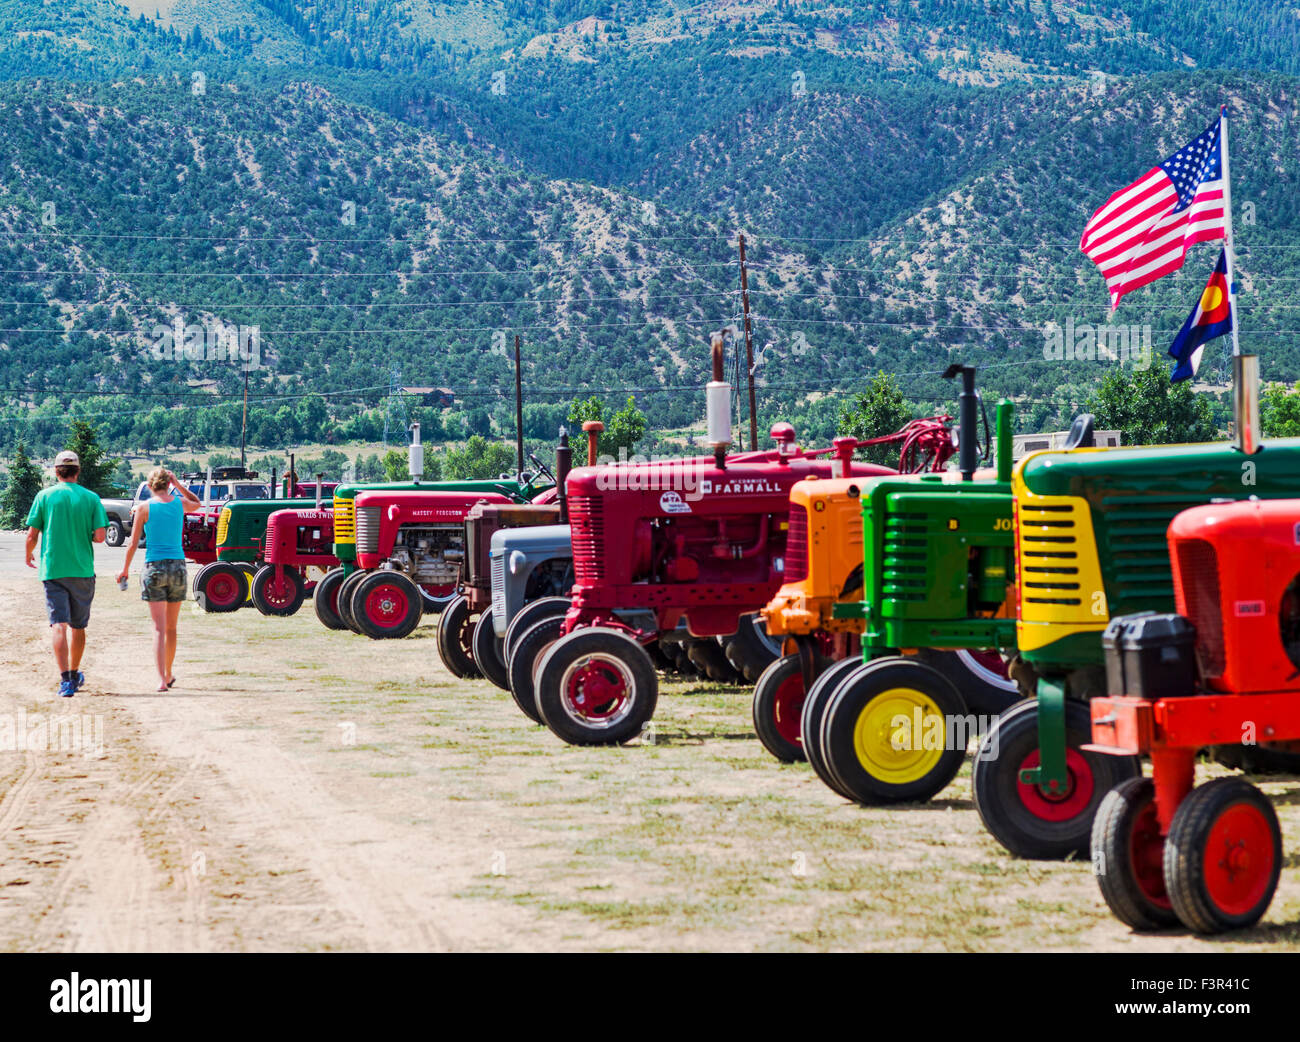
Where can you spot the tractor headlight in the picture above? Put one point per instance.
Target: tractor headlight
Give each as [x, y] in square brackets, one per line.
[517, 561]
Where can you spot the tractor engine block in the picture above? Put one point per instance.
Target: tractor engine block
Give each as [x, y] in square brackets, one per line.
[429, 554]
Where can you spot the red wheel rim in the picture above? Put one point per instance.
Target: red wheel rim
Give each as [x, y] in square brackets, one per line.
[787, 709]
[438, 592]
[596, 692]
[387, 605]
[278, 593]
[1238, 859]
[1146, 854]
[1071, 803]
[223, 589]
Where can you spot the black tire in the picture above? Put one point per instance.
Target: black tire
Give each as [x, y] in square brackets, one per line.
[487, 652]
[436, 605]
[220, 587]
[1019, 817]
[903, 768]
[706, 655]
[675, 652]
[611, 659]
[344, 601]
[1256, 759]
[116, 533]
[455, 640]
[387, 605]
[779, 696]
[530, 646]
[1223, 820]
[269, 601]
[982, 688]
[325, 599]
[750, 650]
[528, 616]
[1128, 856]
[810, 721]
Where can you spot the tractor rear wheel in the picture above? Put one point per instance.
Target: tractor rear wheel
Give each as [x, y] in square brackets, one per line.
[344, 602]
[528, 616]
[750, 650]
[325, 599]
[778, 707]
[530, 646]
[706, 655]
[889, 733]
[487, 652]
[980, 676]
[278, 597]
[436, 598]
[455, 639]
[1128, 856]
[1024, 819]
[596, 686]
[1223, 856]
[387, 604]
[220, 587]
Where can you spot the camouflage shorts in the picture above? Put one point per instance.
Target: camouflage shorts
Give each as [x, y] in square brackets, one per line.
[163, 581]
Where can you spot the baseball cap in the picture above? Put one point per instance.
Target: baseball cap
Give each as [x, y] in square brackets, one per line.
[67, 458]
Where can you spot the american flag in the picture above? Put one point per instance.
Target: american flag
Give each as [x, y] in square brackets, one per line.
[1145, 230]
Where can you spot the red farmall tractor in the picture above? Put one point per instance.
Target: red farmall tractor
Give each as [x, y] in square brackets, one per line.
[1222, 671]
[700, 540]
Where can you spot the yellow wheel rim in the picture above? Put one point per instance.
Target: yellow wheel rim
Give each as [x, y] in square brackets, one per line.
[900, 736]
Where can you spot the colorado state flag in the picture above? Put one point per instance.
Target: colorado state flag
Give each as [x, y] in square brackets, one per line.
[1212, 317]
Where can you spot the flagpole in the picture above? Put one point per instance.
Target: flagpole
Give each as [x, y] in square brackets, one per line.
[1245, 367]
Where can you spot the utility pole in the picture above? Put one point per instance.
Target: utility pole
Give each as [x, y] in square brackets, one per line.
[519, 410]
[749, 347]
[243, 427]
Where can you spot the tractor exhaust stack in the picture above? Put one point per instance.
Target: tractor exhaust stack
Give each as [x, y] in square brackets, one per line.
[592, 428]
[415, 461]
[320, 481]
[967, 412]
[717, 406]
[563, 464]
[1245, 403]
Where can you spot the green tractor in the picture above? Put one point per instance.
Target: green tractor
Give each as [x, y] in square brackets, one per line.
[225, 584]
[1090, 545]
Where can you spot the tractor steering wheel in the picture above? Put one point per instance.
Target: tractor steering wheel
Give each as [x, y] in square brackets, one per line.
[542, 467]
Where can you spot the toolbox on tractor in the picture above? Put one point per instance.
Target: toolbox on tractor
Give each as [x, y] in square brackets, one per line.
[1224, 670]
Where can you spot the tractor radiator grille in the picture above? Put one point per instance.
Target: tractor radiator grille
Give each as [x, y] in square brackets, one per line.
[1131, 532]
[796, 545]
[1049, 553]
[499, 586]
[367, 530]
[587, 528]
[223, 526]
[344, 527]
[904, 572]
[1198, 598]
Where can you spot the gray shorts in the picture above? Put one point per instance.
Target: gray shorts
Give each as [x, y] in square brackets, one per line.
[163, 581]
[68, 601]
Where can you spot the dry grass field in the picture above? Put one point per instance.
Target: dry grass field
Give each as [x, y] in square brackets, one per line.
[302, 789]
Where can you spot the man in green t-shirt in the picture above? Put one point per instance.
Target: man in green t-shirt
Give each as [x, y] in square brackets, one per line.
[68, 520]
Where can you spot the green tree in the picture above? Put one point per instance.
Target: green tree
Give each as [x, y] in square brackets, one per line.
[623, 430]
[879, 410]
[96, 467]
[1149, 410]
[394, 464]
[478, 459]
[24, 482]
[1279, 411]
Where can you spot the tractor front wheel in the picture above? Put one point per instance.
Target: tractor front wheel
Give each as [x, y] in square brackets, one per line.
[386, 604]
[487, 652]
[529, 648]
[529, 616]
[346, 591]
[596, 687]
[325, 599]
[1223, 856]
[1128, 855]
[278, 595]
[455, 639]
[894, 731]
[220, 587]
[1029, 822]
[778, 707]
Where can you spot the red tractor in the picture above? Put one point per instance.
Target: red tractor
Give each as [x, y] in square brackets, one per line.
[699, 541]
[296, 540]
[1222, 671]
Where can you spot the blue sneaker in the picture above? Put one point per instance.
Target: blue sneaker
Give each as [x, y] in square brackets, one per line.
[78, 680]
[67, 688]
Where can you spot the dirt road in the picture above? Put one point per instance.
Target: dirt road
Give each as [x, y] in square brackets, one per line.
[302, 789]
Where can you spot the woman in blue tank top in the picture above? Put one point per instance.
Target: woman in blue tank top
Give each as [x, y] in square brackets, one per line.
[163, 581]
